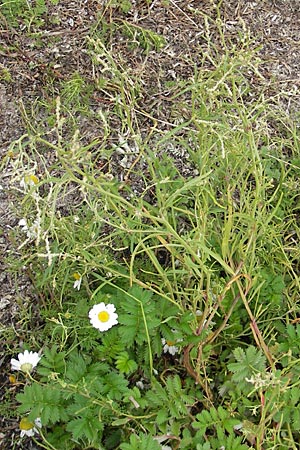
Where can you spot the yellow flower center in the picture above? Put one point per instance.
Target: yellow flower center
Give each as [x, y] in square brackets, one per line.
[32, 178]
[26, 367]
[76, 275]
[103, 316]
[170, 343]
[12, 379]
[25, 424]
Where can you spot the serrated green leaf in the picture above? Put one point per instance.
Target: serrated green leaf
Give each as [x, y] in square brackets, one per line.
[249, 361]
[124, 364]
[141, 442]
[85, 427]
[45, 402]
[114, 386]
[162, 416]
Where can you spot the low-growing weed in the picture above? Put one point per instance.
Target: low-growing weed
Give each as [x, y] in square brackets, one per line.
[168, 285]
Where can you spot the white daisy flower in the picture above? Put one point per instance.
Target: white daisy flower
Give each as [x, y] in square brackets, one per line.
[29, 428]
[103, 316]
[78, 280]
[26, 361]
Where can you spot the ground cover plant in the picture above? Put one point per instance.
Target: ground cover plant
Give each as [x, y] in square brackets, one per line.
[164, 252]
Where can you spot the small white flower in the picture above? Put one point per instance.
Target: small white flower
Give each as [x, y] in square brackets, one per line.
[78, 280]
[263, 379]
[28, 181]
[23, 224]
[26, 361]
[31, 231]
[103, 316]
[29, 428]
[169, 346]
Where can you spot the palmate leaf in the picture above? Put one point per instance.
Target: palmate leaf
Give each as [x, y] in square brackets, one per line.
[248, 362]
[125, 364]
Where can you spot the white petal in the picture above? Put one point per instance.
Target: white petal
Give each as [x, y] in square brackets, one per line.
[38, 422]
[77, 284]
[110, 308]
[22, 223]
[173, 350]
[29, 433]
[24, 357]
[15, 364]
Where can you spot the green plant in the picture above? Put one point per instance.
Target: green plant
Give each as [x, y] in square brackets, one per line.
[22, 11]
[186, 227]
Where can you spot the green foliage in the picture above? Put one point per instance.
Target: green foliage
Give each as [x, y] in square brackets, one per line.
[139, 318]
[45, 402]
[79, 399]
[291, 340]
[178, 213]
[84, 427]
[289, 413]
[53, 362]
[124, 5]
[249, 362]
[142, 37]
[111, 346]
[170, 400]
[75, 92]
[233, 442]
[125, 364]
[218, 419]
[141, 442]
[272, 289]
[17, 11]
